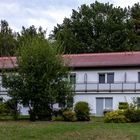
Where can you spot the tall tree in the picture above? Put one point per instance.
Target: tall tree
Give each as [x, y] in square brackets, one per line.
[95, 28]
[7, 39]
[40, 81]
[134, 27]
[30, 33]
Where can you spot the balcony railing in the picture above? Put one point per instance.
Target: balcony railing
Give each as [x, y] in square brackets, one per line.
[106, 87]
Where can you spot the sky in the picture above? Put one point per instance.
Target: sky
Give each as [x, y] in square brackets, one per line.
[45, 13]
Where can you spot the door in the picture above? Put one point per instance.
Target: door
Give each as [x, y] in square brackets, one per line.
[103, 104]
[99, 106]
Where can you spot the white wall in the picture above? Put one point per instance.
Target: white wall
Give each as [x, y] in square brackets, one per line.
[119, 75]
[91, 99]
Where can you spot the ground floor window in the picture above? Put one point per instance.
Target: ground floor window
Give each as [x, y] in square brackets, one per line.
[138, 102]
[103, 104]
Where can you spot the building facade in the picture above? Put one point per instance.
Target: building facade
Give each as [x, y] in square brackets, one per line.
[103, 80]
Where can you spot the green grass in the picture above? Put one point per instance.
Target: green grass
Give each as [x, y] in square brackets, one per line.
[93, 130]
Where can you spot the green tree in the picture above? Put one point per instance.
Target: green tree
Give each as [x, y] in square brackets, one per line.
[95, 28]
[40, 81]
[7, 40]
[133, 41]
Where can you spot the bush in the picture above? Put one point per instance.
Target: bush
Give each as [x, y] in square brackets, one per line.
[57, 118]
[132, 115]
[115, 117]
[107, 110]
[82, 111]
[59, 112]
[123, 105]
[4, 109]
[69, 116]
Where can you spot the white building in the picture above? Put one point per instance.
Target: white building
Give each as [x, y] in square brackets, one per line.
[103, 80]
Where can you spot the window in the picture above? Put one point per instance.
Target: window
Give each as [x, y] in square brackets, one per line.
[138, 102]
[139, 77]
[102, 78]
[110, 77]
[108, 103]
[106, 77]
[73, 78]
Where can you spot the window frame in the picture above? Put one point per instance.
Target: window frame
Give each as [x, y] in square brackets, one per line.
[70, 75]
[106, 77]
[138, 77]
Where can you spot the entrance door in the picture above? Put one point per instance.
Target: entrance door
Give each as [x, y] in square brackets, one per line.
[99, 106]
[103, 103]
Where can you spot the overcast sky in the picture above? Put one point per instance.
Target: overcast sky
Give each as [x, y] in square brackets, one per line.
[45, 13]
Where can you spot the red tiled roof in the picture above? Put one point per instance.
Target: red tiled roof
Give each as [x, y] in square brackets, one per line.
[103, 59]
[7, 62]
[118, 59]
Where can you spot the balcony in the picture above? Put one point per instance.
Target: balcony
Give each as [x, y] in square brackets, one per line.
[106, 87]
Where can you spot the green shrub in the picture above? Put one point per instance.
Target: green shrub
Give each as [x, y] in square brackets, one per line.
[107, 110]
[58, 118]
[69, 116]
[4, 109]
[82, 111]
[123, 105]
[115, 117]
[132, 115]
[59, 112]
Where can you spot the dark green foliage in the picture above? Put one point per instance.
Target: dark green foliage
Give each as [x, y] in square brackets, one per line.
[123, 105]
[9, 108]
[115, 117]
[59, 112]
[40, 80]
[69, 116]
[4, 109]
[132, 115]
[82, 111]
[57, 118]
[12, 104]
[100, 27]
[95, 28]
[8, 42]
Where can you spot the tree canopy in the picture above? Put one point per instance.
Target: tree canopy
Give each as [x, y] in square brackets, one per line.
[8, 41]
[99, 27]
[40, 79]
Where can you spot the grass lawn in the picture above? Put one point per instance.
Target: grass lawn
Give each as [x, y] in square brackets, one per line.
[93, 130]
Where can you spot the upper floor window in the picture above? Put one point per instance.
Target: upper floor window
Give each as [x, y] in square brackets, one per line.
[106, 77]
[110, 77]
[73, 78]
[139, 77]
[102, 78]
